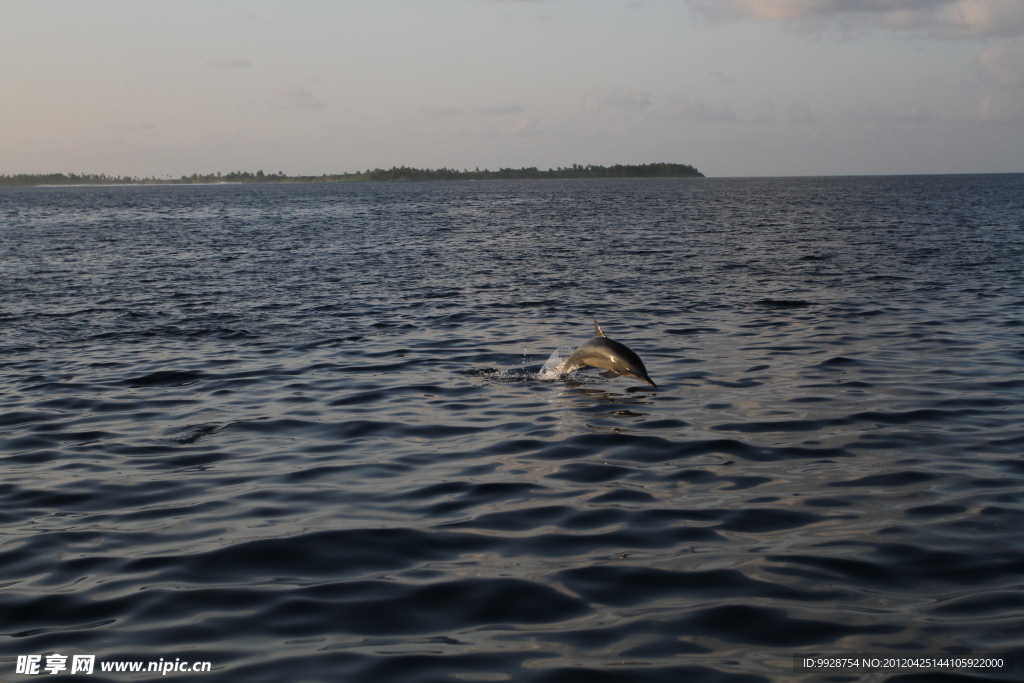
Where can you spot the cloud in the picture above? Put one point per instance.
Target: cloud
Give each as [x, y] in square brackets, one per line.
[235, 63]
[522, 127]
[1002, 108]
[684, 106]
[297, 97]
[999, 108]
[905, 115]
[616, 98]
[1004, 64]
[502, 110]
[442, 111]
[689, 108]
[899, 11]
[941, 18]
[986, 17]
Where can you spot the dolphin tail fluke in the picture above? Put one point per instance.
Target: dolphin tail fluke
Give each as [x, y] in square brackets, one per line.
[598, 332]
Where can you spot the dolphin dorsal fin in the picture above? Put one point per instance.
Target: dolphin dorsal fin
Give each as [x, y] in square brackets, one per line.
[598, 332]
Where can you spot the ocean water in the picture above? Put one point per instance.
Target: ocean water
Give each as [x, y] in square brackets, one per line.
[300, 432]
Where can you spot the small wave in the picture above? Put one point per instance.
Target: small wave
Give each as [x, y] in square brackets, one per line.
[528, 373]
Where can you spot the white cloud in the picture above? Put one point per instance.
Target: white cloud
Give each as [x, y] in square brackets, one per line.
[1001, 108]
[985, 17]
[943, 18]
[1004, 63]
[522, 127]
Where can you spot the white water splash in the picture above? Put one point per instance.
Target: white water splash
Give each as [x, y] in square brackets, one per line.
[560, 355]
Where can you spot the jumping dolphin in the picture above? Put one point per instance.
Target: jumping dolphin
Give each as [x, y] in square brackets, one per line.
[607, 354]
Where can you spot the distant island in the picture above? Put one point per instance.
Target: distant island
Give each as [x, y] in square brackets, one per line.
[395, 174]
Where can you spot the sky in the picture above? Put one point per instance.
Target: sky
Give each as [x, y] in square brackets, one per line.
[733, 87]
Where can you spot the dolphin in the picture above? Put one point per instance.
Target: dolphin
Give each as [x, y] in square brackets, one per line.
[607, 354]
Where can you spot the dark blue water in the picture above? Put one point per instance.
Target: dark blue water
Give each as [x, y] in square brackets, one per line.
[298, 432]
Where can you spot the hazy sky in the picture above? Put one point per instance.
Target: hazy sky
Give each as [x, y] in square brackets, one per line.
[734, 87]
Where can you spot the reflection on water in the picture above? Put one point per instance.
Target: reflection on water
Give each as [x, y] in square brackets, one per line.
[314, 432]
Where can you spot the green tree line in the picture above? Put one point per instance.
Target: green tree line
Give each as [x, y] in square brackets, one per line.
[396, 173]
